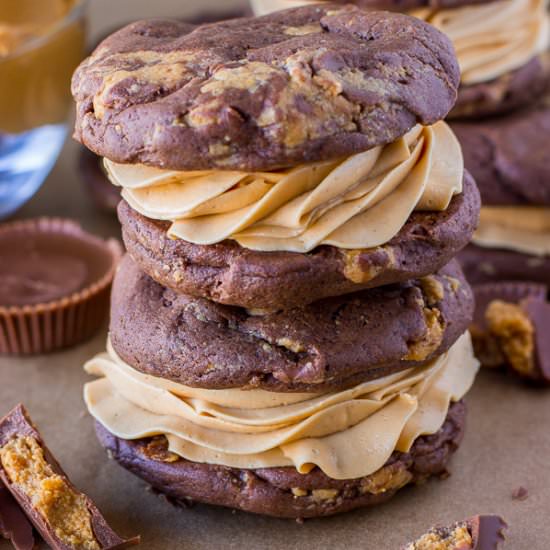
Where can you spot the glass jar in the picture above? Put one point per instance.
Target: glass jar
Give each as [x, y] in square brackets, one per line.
[41, 44]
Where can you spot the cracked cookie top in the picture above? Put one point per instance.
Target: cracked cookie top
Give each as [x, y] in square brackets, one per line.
[301, 85]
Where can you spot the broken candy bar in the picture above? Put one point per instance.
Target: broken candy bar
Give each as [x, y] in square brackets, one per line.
[66, 518]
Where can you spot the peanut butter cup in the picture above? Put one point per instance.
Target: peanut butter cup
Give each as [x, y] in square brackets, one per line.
[55, 284]
[14, 525]
[509, 328]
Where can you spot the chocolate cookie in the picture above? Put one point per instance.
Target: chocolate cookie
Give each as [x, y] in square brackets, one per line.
[331, 344]
[233, 275]
[283, 492]
[486, 265]
[404, 5]
[519, 88]
[307, 84]
[509, 156]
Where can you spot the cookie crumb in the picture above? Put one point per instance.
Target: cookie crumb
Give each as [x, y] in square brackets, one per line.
[520, 493]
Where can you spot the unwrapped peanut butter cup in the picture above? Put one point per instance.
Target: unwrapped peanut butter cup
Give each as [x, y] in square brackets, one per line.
[55, 282]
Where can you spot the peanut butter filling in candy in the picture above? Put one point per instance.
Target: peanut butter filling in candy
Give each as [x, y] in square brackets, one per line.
[509, 330]
[476, 533]
[62, 507]
[65, 517]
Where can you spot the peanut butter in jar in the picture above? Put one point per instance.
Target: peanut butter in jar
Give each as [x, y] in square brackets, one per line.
[41, 43]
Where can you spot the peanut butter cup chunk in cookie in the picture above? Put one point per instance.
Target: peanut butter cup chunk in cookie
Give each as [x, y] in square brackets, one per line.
[314, 83]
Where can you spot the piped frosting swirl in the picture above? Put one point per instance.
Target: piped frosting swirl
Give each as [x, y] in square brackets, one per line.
[348, 434]
[358, 202]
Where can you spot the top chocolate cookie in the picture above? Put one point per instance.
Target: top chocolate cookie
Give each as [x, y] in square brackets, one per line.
[306, 84]
[403, 5]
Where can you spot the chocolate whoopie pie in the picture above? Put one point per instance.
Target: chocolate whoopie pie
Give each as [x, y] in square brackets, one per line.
[510, 160]
[327, 345]
[289, 331]
[501, 46]
[509, 156]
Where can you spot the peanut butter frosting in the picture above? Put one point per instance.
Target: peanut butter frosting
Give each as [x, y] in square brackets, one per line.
[490, 39]
[348, 434]
[524, 229]
[495, 38]
[358, 202]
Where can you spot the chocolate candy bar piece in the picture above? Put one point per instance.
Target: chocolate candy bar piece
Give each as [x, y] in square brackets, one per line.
[509, 326]
[14, 525]
[476, 533]
[487, 532]
[66, 518]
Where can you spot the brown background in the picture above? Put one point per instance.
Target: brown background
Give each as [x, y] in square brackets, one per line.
[507, 443]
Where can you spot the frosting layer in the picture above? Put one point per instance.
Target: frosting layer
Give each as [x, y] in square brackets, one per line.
[359, 202]
[524, 229]
[490, 39]
[495, 38]
[348, 434]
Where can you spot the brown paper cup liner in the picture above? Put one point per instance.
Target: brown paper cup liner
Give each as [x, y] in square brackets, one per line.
[67, 321]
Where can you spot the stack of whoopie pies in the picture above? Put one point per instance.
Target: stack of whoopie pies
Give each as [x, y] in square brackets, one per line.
[289, 328]
[502, 120]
